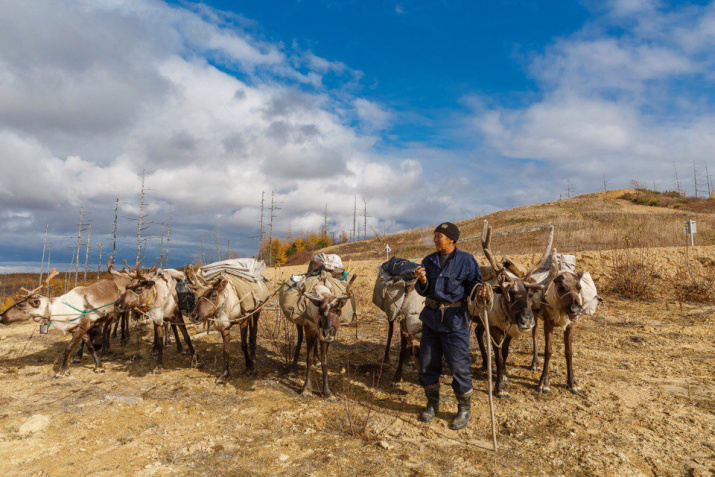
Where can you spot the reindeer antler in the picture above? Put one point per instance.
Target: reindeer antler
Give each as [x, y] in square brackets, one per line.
[29, 293]
[486, 243]
[156, 265]
[545, 255]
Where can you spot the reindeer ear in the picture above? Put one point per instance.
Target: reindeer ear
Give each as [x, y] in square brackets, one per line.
[579, 275]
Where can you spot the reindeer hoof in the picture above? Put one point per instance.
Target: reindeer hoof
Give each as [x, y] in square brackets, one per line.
[76, 361]
[306, 394]
[576, 390]
[183, 352]
[157, 370]
[59, 376]
[331, 398]
[221, 380]
[98, 370]
[544, 390]
[396, 384]
[503, 395]
[534, 367]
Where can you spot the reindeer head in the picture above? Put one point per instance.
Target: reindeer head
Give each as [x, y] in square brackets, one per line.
[517, 294]
[140, 290]
[566, 292]
[328, 309]
[29, 304]
[208, 298]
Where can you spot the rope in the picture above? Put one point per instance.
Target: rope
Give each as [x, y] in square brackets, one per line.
[247, 315]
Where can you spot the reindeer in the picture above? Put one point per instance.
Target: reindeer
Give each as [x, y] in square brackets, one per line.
[511, 313]
[218, 302]
[399, 300]
[561, 305]
[154, 294]
[324, 308]
[76, 312]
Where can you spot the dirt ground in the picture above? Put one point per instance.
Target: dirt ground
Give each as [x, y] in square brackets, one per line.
[648, 407]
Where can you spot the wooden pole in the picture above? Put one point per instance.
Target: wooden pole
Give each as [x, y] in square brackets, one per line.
[485, 321]
[86, 257]
[44, 246]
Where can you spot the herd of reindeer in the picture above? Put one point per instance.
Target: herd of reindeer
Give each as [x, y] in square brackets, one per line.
[93, 314]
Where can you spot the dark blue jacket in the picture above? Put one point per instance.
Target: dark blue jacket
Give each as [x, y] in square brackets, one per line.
[451, 284]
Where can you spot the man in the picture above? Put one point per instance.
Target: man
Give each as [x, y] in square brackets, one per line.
[446, 278]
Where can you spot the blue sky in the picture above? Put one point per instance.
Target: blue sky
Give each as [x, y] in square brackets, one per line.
[429, 111]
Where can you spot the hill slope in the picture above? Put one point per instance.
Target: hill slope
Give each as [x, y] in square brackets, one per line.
[599, 221]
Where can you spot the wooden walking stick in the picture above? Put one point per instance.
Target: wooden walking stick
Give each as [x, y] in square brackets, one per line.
[485, 321]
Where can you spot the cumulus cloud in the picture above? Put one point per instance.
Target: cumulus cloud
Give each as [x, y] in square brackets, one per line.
[621, 98]
[93, 93]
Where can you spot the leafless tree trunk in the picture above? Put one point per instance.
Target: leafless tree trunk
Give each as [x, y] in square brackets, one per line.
[44, 246]
[677, 179]
[364, 217]
[86, 256]
[114, 236]
[168, 236]
[99, 262]
[141, 217]
[79, 241]
[218, 251]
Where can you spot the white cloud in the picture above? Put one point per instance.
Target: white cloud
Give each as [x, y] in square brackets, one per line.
[91, 93]
[626, 104]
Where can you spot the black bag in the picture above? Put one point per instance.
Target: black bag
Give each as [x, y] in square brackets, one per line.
[187, 300]
[400, 267]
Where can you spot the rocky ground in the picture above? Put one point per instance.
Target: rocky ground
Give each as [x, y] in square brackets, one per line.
[648, 408]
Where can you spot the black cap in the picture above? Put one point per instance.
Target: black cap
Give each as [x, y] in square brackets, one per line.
[448, 229]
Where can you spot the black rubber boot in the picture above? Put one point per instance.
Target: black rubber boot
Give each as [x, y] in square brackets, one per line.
[464, 411]
[432, 394]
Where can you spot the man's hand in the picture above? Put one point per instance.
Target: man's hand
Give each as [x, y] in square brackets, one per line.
[482, 292]
[421, 275]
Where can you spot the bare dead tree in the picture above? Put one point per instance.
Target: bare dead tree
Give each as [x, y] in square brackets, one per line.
[605, 183]
[270, 227]
[79, 241]
[677, 179]
[364, 218]
[708, 180]
[161, 243]
[114, 235]
[354, 237]
[99, 263]
[325, 221]
[568, 187]
[655, 187]
[218, 252]
[44, 246]
[86, 256]
[261, 232]
[228, 249]
[168, 236]
[141, 217]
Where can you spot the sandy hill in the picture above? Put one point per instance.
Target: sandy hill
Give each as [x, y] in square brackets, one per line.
[599, 221]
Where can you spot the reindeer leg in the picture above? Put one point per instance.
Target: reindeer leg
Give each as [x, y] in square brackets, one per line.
[296, 356]
[97, 362]
[159, 333]
[501, 384]
[397, 379]
[167, 334]
[534, 346]
[253, 333]
[116, 325]
[324, 362]
[386, 358]
[548, 337]
[479, 334]
[568, 349]
[226, 335]
[181, 324]
[106, 333]
[155, 346]
[80, 352]
[250, 370]
[174, 327]
[310, 338]
[125, 327]
[76, 338]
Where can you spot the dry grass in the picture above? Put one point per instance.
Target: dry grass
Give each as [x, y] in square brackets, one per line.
[588, 222]
[633, 274]
[695, 282]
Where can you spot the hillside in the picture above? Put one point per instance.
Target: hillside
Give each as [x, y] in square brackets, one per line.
[600, 221]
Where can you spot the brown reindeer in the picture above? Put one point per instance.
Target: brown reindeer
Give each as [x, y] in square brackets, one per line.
[219, 304]
[154, 294]
[324, 308]
[560, 306]
[76, 312]
[511, 314]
